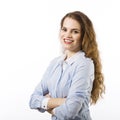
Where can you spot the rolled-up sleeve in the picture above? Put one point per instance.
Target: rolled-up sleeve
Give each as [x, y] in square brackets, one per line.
[36, 98]
[79, 92]
[40, 91]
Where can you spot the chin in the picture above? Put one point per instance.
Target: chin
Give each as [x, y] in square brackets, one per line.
[68, 49]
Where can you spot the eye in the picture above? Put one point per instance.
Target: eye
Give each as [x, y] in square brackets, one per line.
[75, 31]
[64, 29]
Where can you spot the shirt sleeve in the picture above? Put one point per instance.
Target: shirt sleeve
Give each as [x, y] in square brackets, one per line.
[40, 91]
[79, 92]
[44, 103]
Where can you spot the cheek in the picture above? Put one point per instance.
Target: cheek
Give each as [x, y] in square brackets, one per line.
[78, 40]
[61, 38]
[61, 35]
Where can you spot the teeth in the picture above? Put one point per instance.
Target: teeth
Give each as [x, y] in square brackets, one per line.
[68, 41]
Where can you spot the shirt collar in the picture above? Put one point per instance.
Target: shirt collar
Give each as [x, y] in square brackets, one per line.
[72, 59]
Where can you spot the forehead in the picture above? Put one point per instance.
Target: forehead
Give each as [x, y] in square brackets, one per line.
[71, 23]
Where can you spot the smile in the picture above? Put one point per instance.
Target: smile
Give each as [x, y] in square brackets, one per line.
[68, 41]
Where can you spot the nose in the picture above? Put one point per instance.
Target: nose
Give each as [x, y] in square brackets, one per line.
[68, 34]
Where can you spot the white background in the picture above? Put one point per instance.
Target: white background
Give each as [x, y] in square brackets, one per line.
[29, 41]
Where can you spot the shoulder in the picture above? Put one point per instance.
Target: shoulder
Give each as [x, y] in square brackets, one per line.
[84, 61]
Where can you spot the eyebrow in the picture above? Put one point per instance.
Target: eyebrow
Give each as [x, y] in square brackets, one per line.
[76, 29]
[72, 29]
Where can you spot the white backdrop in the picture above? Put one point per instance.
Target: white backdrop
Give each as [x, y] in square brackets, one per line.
[29, 41]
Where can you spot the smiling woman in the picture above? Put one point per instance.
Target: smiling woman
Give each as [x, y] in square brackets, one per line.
[74, 80]
[70, 35]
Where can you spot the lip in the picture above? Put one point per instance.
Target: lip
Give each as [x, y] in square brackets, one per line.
[67, 41]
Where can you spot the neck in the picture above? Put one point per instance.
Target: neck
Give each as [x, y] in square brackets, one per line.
[69, 54]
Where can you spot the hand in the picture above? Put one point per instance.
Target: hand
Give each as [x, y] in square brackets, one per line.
[47, 95]
[50, 111]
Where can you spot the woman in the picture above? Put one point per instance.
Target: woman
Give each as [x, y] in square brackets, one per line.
[72, 80]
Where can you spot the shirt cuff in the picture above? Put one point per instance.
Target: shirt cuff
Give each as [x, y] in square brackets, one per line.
[44, 103]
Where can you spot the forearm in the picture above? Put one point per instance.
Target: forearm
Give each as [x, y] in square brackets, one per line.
[70, 109]
[55, 102]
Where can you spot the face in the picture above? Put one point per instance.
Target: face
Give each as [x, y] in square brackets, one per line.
[70, 35]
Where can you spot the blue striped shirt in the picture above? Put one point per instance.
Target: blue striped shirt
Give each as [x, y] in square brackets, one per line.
[74, 83]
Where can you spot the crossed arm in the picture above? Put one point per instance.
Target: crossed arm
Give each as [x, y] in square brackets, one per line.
[53, 103]
[78, 95]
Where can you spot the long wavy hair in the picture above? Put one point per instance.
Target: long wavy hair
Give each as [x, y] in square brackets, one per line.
[90, 47]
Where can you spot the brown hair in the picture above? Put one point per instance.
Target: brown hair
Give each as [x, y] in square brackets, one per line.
[90, 47]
